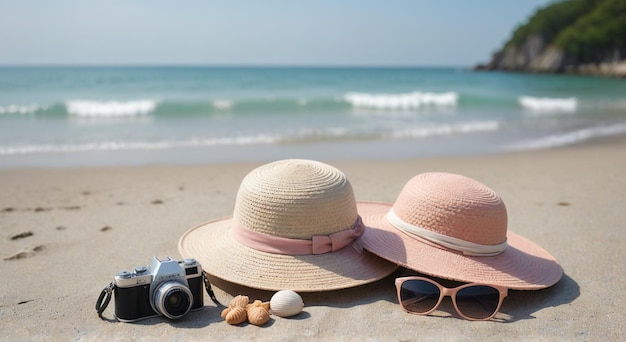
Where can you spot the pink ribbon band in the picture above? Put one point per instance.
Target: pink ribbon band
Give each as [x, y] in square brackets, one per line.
[319, 244]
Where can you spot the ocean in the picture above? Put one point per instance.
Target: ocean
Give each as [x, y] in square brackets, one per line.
[110, 116]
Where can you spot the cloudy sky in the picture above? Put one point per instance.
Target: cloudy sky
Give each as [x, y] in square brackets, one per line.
[271, 32]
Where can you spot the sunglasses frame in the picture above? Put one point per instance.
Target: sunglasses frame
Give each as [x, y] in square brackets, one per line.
[450, 292]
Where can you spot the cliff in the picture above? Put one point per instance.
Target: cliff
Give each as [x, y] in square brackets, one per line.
[575, 36]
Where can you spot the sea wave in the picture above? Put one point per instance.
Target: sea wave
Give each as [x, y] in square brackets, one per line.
[21, 109]
[570, 137]
[446, 129]
[135, 145]
[299, 135]
[86, 108]
[401, 101]
[401, 104]
[543, 104]
[202, 107]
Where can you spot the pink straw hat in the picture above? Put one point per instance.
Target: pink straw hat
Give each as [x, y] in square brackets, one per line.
[293, 227]
[453, 227]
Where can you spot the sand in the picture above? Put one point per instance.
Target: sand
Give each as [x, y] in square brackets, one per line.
[65, 233]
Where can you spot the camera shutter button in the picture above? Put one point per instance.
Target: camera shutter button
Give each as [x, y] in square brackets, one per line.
[140, 269]
[189, 262]
[124, 275]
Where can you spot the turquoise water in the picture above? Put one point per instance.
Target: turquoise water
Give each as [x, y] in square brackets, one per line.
[78, 116]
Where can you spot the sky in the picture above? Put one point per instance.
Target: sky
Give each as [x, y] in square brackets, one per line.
[271, 32]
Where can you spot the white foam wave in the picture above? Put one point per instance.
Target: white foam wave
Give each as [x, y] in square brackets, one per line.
[571, 137]
[21, 109]
[401, 101]
[139, 145]
[309, 134]
[447, 129]
[85, 108]
[543, 104]
[222, 104]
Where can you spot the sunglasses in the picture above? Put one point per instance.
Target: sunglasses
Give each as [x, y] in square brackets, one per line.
[476, 302]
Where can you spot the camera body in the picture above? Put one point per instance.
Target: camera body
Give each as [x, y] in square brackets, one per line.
[165, 287]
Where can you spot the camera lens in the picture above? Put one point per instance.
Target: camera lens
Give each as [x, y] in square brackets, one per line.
[173, 300]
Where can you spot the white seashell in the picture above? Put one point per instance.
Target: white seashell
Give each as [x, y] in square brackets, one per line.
[286, 303]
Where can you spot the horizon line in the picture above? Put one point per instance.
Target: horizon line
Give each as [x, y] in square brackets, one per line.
[216, 65]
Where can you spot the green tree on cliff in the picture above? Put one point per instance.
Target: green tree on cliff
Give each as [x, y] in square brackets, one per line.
[586, 30]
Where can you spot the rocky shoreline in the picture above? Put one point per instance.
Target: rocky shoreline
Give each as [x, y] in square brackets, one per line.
[536, 55]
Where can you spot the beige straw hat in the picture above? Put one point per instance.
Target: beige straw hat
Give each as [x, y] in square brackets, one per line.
[294, 226]
[453, 227]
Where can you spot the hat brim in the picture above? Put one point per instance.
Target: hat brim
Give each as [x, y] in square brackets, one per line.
[213, 245]
[522, 266]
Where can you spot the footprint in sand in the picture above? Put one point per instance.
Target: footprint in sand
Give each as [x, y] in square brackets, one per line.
[40, 209]
[22, 235]
[25, 253]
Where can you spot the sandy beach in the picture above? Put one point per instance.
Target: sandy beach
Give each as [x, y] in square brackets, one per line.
[66, 232]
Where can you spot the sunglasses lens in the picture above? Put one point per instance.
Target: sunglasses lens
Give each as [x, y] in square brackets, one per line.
[418, 296]
[478, 302]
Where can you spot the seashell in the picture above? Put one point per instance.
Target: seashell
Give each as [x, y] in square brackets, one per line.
[257, 315]
[240, 301]
[265, 305]
[286, 303]
[235, 315]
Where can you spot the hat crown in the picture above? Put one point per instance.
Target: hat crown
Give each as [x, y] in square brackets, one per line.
[454, 206]
[296, 199]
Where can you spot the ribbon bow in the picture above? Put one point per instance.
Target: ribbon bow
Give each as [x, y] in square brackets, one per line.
[319, 244]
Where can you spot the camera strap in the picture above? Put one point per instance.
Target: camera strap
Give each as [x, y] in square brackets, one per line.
[104, 298]
[209, 290]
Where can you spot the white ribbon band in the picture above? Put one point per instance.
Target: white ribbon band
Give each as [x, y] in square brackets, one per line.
[467, 247]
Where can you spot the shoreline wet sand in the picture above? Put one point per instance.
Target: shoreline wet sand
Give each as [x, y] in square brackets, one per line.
[64, 233]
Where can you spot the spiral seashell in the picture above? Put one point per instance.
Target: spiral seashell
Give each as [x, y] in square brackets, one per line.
[265, 305]
[235, 315]
[240, 301]
[258, 315]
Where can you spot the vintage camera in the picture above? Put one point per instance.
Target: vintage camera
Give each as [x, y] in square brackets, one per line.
[165, 287]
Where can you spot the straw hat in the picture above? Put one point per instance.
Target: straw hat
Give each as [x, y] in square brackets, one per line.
[293, 227]
[453, 227]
